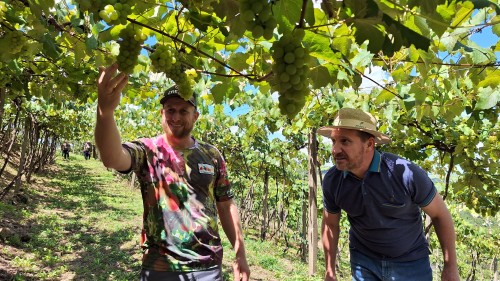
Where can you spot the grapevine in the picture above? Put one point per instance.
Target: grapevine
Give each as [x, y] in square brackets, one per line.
[258, 18]
[290, 72]
[166, 59]
[130, 47]
[13, 41]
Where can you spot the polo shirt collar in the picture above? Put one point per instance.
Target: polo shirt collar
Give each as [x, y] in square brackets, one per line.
[374, 166]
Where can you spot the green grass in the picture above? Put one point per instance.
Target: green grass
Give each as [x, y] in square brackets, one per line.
[84, 223]
[83, 226]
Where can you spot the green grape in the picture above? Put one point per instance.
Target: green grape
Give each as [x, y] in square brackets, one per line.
[289, 57]
[162, 58]
[258, 18]
[247, 15]
[290, 72]
[257, 31]
[291, 69]
[130, 48]
[268, 33]
[257, 7]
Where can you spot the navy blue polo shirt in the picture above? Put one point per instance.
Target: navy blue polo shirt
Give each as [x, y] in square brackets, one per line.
[383, 208]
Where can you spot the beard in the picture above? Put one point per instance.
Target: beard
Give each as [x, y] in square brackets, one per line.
[178, 132]
[345, 162]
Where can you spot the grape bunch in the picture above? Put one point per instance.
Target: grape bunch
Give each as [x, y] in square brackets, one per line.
[12, 41]
[183, 78]
[258, 18]
[290, 72]
[91, 6]
[162, 58]
[116, 13]
[130, 47]
[111, 11]
[167, 60]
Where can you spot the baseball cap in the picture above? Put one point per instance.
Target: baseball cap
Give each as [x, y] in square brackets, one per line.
[174, 92]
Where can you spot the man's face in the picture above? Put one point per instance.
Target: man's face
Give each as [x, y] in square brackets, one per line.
[348, 149]
[178, 117]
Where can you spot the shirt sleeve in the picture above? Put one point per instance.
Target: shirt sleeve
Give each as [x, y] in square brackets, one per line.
[138, 156]
[328, 192]
[418, 182]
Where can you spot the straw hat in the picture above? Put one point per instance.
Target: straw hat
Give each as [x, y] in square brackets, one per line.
[355, 119]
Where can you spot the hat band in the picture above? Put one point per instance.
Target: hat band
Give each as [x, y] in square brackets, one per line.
[353, 123]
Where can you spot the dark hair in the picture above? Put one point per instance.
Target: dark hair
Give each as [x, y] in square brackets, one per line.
[365, 136]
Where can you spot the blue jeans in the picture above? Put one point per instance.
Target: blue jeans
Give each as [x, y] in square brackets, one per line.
[364, 268]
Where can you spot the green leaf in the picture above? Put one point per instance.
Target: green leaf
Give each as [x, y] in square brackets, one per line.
[384, 97]
[239, 61]
[91, 43]
[287, 14]
[370, 29]
[463, 14]
[404, 36]
[219, 92]
[50, 47]
[496, 25]
[492, 80]
[320, 77]
[362, 59]
[487, 98]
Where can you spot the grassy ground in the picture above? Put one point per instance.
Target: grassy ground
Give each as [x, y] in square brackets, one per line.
[82, 222]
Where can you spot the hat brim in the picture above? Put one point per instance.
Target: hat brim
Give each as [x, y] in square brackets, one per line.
[380, 138]
[165, 98]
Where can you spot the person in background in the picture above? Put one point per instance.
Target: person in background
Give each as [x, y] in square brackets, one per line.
[383, 196]
[65, 147]
[184, 185]
[86, 150]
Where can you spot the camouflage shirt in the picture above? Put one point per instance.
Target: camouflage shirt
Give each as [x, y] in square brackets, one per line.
[179, 191]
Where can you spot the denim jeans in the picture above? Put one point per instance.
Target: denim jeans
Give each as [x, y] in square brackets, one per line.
[364, 268]
[206, 275]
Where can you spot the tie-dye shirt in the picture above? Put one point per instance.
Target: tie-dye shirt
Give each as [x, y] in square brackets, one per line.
[179, 191]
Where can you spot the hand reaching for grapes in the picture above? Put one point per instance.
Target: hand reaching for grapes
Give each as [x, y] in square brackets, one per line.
[109, 88]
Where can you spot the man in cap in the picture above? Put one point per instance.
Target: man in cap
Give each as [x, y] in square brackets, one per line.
[383, 195]
[184, 186]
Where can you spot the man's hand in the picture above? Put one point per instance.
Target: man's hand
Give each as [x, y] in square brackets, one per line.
[109, 87]
[330, 276]
[240, 269]
[450, 273]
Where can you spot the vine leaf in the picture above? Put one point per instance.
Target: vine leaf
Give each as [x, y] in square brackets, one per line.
[488, 97]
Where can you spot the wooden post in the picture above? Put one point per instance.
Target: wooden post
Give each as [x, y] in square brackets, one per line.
[313, 207]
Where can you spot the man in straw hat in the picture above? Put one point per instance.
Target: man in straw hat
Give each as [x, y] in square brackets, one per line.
[383, 195]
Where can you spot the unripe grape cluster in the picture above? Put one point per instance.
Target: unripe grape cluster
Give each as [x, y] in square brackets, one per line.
[290, 72]
[165, 59]
[130, 47]
[162, 58]
[116, 13]
[111, 11]
[12, 41]
[258, 17]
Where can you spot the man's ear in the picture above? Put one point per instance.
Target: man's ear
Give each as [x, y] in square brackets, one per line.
[371, 142]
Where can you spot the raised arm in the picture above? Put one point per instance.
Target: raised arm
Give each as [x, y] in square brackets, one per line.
[445, 231]
[230, 221]
[330, 232]
[107, 136]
